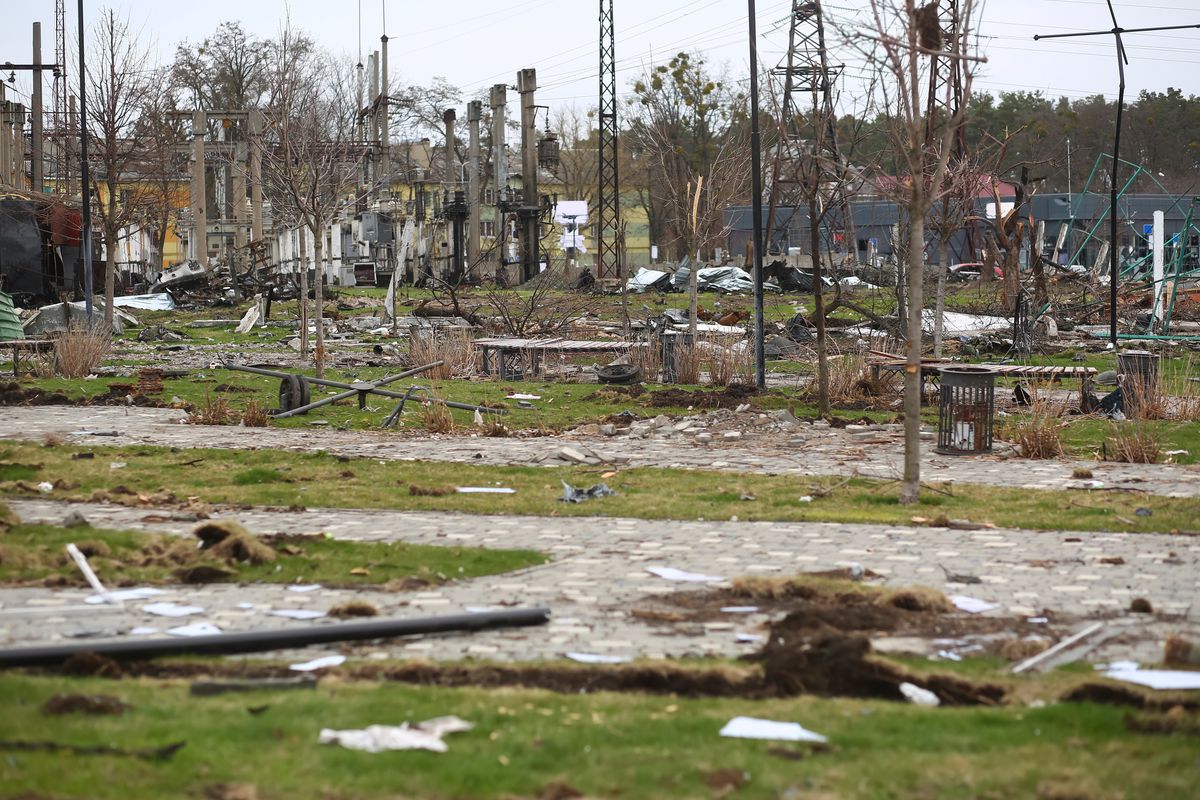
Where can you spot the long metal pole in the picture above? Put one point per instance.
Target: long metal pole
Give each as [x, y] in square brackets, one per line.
[85, 233]
[129, 649]
[760, 356]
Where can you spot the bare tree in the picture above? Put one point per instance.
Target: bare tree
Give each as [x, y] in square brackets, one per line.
[119, 80]
[310, 153]
[899, 40]
[162, 168]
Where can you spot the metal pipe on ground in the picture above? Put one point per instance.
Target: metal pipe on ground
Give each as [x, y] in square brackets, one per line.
[271, 373]
[264, 641]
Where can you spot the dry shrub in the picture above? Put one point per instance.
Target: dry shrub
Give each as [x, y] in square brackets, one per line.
[79, 352]
[436, 416]
[1144, 401]
[1186, 407]
[53, 440]
[1039, 434]
[730, 361]
[647, 359]
[494, 427]
[688, 360]
[452, 346]
[1133, 443]
[256, 415]
[215, 411]
[849, 380]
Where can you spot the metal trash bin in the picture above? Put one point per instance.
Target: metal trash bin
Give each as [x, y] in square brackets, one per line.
[966, 410]
[1137, 375]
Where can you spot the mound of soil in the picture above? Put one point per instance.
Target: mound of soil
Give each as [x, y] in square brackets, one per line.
[727, 397]
[11, 394]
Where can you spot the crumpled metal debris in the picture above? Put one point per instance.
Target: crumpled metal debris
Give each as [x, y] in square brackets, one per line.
[574, 495]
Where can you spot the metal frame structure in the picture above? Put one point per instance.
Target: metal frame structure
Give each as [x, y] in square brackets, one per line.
[608, 197]
[806, 69]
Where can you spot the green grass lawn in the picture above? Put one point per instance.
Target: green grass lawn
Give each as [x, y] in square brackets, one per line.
[33, 553]
[603, 745]
[265, 477]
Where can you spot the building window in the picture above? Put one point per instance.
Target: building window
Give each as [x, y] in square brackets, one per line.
[487, 228]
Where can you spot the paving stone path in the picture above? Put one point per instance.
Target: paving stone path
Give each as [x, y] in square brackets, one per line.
[748, 443]
[597, 575]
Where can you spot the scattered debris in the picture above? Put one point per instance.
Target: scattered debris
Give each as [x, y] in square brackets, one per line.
[972, 605]
[919, 696]
[673, 574]
[171, 610]
[753, 728]
[1157, 679]
[597, 658]
[1064, 652]
[318, 663]
[573, 495]
[425, 735]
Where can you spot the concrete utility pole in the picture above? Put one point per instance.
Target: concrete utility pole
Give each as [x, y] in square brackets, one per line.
[199, 189]
[449, 181]
[5, 141]
[474, 116]
[256, 194]
[499, 101]
[385, 125]
[37, 141]
[531, 204]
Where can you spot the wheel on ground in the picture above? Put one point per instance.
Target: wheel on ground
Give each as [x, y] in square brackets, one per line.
[294, 392]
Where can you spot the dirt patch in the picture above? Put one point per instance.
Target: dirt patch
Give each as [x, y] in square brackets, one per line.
[89, 665]
[95, 704]
[11, 394]
[728, 397]
[230, 542]
[1111, 694]
[230, 388]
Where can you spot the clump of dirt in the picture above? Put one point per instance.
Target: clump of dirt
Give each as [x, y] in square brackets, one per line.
[1111, 694]
[1141, 605]
[354, 608]
[725, 780]
[93, 548]
[230, 542]
[728, 397]
[95, 704]
[11, 394]
[203, 573]
[417, 490]
[93, 665]
[559, 790]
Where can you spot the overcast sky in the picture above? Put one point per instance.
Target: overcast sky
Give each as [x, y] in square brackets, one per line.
[474, 43]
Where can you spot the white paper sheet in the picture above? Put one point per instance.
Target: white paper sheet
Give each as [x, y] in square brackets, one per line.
[739, 609]
[672, 574]
[426, 735]
[485, 490]
[1160, 679]
[141, 593]
[972, 605]
[172, 610]
[195, 629]
[144, 630]
[318, 663]
[308, 587]
[296, 613]
[748, 638]
[597, 658]
[752, 728]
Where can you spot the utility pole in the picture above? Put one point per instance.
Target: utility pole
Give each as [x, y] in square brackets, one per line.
[385, 123]
[448, 183]
[474, 116]
[85, 183]
[760, 362]
[256, 193]
[37, 146]
[531, 204]
[608, 195]
[499, 101]
[199, 189]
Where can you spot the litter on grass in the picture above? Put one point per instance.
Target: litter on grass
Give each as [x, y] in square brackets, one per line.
[485, 490]
[318, 663]
[81, 561]
[919, 696]
[753, 728]
[573, 495]
[597, 658]
[739, 609]
[672, 574]
[425, 735]
[1159, 679]
[972, 605]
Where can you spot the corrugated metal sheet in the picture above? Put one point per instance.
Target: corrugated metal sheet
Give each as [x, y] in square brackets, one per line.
[10, 325]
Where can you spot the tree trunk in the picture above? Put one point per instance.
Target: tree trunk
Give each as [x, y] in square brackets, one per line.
[939, 322]
[319, 293]
[110, 276]
[693, 298]
[303, 292]
[814, 230]
[910, 492]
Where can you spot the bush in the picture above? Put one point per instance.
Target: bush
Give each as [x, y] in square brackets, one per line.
[1039, 434]
[1133, 443]
[79, 352]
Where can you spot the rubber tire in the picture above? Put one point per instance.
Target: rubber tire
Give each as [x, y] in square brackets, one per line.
[294, 392]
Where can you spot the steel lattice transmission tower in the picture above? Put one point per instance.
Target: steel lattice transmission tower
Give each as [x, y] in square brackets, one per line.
[946, 73]
[805, 70]
[608, 212]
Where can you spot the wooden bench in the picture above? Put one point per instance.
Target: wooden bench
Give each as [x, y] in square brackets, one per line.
[33, 345]
[501, 356]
